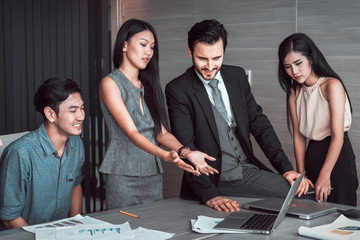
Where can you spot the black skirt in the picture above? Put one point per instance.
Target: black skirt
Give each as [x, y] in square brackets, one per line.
[343, 177]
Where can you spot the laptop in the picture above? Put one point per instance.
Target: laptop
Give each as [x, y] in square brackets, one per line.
[301, 208]
[259, 223]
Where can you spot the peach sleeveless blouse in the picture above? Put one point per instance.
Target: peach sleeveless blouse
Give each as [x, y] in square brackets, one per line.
[313, 112]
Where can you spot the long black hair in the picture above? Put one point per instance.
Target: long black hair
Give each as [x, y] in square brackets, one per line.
[149, 76]
[301, 43]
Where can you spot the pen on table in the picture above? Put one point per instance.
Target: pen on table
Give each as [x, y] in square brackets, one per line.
[129, 214]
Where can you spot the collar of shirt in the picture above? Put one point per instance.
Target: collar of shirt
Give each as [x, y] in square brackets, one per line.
[207, 86]
[222, 89]
[46, 143]
[206, 82]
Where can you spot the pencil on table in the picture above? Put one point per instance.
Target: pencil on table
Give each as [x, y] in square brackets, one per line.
[129, 214]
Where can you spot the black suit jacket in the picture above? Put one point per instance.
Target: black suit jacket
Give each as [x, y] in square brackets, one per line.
[193, 123]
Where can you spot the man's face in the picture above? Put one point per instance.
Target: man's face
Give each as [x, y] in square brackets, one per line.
[208, 59]
[71, 115]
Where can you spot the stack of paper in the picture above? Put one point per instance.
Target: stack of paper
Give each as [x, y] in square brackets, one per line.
[80, 227]
[205, 224]
[94, 231]
[78, 220]
[341, 229]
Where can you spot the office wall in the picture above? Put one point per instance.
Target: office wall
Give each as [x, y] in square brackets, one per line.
[255, 29]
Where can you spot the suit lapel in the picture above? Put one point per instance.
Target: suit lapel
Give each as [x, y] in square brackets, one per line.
[203, 99]
[237, 104]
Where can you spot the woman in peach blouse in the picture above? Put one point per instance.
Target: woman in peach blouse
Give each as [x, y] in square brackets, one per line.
[320, 111]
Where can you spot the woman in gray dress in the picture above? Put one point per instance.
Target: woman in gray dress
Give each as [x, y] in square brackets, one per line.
[134, 110]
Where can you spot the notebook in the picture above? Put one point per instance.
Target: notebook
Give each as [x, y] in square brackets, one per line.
[259, 223]
[301, 208]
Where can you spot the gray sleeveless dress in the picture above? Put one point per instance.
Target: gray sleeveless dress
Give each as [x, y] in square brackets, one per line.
[133, 176]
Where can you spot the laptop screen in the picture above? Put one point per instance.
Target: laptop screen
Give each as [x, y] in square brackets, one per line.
[290, 196]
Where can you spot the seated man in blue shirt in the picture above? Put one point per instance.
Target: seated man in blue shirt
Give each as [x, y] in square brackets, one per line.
[40, 173]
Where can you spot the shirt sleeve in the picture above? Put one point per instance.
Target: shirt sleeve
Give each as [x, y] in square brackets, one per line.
[14, 176]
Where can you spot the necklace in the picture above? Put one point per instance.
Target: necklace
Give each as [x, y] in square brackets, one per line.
[310, 89]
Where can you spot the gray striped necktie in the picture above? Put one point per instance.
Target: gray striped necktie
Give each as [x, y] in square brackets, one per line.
[219, 103]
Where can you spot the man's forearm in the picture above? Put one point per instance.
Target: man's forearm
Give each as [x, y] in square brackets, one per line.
[203, 187]
[16, 223]
[76, 201]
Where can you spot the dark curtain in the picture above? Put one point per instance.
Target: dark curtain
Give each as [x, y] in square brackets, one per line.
[40, 39]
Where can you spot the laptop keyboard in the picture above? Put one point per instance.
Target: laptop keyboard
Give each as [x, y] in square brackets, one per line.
[260, 221]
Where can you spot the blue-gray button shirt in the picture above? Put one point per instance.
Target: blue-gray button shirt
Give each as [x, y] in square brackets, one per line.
[35, 184]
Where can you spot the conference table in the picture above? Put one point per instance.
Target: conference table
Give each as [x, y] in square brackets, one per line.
[173, 216]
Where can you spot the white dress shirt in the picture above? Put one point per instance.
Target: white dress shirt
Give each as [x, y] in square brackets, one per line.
[224, 93]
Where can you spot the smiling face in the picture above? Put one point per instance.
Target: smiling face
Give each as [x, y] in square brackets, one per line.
[139, 50]
[299, 68]
[207, 59]
[71, 114]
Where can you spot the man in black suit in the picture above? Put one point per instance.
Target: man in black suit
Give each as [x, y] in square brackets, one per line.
[212, 109]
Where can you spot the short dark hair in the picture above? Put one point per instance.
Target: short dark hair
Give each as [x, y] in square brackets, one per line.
[52, 92]
[209, 31]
